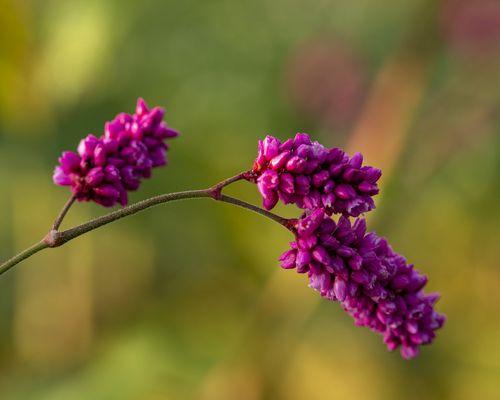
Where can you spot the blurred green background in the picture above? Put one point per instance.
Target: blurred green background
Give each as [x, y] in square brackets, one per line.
[187, 301]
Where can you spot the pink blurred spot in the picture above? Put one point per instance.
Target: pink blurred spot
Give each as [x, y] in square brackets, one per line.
[472, 27]
[327, 82]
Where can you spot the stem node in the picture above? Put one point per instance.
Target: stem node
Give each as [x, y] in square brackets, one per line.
[56, 238]
[291, 225]
[53, 238]
[215, 192]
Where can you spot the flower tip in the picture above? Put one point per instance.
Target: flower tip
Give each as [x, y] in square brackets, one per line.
[270, 201]
[356, 160]
[172, 133]
[60, 178]
[104, 168]
[408, 352]
[302, 138]
[142, 107]
[287, 259]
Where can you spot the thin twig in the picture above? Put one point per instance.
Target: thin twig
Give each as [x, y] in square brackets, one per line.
[23, 255]
[217, 189]
[62, 213]
[57, 238]
[258, 210]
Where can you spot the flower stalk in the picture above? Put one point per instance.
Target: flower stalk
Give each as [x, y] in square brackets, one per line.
[58, 221]
[56, 238]
[343, 262]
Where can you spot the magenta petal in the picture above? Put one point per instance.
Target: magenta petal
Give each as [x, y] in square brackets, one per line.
[60, 177]
[107, 166]
[374, 284]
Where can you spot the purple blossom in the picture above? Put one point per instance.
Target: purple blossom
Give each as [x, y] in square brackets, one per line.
[310, 175]
[105, 168]
[374, 284]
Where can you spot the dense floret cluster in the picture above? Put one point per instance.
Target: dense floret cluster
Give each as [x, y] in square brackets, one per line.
[105, 168]
[374, 284]
[310, 175]
[343, 262]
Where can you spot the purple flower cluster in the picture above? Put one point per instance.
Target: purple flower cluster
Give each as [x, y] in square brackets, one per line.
[374, 284]
[105, 168]
[310, 175]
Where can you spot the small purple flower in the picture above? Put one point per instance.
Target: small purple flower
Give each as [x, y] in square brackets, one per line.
[374, 284]
[310, 175]
[105, 168]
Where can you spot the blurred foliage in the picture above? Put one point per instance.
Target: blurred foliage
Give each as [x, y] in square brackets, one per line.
[187, 301]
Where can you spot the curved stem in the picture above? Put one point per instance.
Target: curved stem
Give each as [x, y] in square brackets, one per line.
[217, 189]
[258, 210]
[57, 238]
[62, 213]
[23, 255]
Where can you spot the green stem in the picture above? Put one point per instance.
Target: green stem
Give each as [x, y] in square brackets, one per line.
[232, 200]
[62, 213]
[23, 255]
[57, 238]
